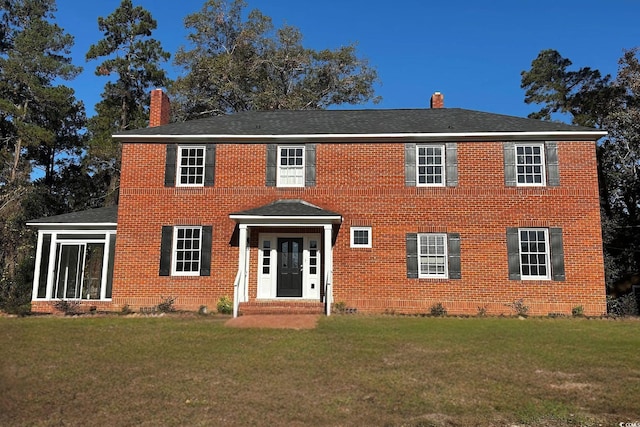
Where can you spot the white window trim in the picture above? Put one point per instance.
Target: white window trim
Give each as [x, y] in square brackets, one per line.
[422, 275]
[443, 165]
[547, 254]
[174, 251]
[179, 164]
[359, 245]
[279, 180]
[543, 155]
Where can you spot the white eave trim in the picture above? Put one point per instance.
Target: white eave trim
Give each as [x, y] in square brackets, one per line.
[375, 137]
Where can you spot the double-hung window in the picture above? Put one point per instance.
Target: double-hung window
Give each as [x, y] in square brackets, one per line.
[431, 165]
[535, 254]
[190, 165]
[291, 165]
[185, 250]
[531, 164]
[187, 246]
[433, 255]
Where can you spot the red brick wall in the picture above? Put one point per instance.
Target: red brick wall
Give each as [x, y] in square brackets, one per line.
[365, 184]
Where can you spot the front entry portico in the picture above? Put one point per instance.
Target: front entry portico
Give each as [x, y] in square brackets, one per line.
[295, 262]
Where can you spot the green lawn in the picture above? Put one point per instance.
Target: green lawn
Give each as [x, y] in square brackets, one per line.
[351, 370]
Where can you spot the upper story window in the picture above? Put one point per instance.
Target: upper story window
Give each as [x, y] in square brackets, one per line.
[531, 164]
[291, 165]
[535, 254]
[360, 237]
[431, 165]
[191, 166]
[530, 169]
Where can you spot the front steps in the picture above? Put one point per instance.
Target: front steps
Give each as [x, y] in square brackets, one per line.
[281, 307]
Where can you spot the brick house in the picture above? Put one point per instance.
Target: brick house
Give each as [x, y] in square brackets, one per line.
[384, 210]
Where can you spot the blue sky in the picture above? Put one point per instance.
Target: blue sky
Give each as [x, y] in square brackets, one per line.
[471, 51]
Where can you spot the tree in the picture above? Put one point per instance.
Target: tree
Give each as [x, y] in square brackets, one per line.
[134, 57]
[236, 65]
[584, 94]
[39, 119]
[592, 100]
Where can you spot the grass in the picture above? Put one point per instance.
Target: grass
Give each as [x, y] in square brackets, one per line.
[351, 370]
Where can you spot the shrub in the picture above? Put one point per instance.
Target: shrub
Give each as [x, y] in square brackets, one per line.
[69, 308]
[15, 292]
[340, 307]
[519, 307]
[625, 305]
[166, 305]
[438, 310]
[577, 311]
[225, 305]
[482, 311]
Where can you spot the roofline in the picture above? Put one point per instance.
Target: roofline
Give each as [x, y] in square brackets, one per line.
[382, 137]
[73, 224]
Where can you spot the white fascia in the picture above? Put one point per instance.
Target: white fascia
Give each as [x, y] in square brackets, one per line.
[377, 137]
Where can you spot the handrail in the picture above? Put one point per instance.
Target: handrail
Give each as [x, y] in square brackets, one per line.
[236, 291]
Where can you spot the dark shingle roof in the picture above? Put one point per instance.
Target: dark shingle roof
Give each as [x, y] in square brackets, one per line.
[287, 207]
[355, 122]
[108, 215]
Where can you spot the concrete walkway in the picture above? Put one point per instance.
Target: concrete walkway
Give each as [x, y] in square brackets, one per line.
[275, 321]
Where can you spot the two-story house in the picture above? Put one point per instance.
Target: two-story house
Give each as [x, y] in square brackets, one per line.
[384, 210]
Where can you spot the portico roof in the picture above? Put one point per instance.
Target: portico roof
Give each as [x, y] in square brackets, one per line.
[287, 212]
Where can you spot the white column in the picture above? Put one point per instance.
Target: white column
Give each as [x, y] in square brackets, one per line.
[247, 249]
[238, 285]
[328, 266]
[36, 273]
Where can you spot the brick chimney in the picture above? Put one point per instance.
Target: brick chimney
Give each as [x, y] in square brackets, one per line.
[437, 100]
[160, 108]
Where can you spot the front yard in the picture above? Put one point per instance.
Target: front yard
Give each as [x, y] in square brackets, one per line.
[351, 370]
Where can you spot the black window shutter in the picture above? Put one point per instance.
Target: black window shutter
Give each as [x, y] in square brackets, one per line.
[165, 250]
[557, 254]
[453, 245]
[209, 165]
[310, 165]
[410, 165]
[451, 158]
[513, 251]
[509, 149]
[553, 172]
[205, 251]
[170, 166]
[272, 160]
[412, 255]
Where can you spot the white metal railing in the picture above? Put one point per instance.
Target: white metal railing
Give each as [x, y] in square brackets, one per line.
[236, 291]
[328, 291]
